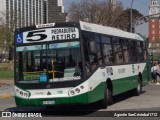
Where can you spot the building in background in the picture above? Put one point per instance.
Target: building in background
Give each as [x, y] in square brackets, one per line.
[55, 11]
[22, 12]
[31, 12]
[154, 22]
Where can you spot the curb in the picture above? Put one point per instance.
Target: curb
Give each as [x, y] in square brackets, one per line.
[154, 84]
[5, 96]
[4, 84]
[7, 92]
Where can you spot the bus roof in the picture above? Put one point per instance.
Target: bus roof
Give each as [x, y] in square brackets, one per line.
[109, 31]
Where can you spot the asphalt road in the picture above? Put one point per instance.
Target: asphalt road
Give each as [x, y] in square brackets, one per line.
[149, 100]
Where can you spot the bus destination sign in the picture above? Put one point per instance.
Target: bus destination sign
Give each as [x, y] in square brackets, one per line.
[48, 34]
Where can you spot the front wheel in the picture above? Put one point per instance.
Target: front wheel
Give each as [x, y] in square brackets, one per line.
[107, 98]
[103, 103]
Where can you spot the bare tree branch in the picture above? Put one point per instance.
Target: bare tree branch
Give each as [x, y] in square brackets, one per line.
[102, 12]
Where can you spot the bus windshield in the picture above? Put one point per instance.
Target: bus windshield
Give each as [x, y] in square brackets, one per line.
[53, 62]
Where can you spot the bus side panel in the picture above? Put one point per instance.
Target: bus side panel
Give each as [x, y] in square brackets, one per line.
[129, 83]
[124, 84]
[92, 96]
[97, 94]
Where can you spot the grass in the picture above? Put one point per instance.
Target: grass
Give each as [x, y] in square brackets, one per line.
[6, 73]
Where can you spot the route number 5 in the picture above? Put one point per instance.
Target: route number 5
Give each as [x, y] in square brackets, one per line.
[32, 34]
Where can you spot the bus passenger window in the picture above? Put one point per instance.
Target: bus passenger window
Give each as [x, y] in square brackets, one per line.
[107, 54]
[93, 55]
[99, 54]
[98, 50]
[140, 51]
[107, 49]
[117, 46]
[144, 51]
[118, 54]
[126, 54]
[133, 51]
[90, 52]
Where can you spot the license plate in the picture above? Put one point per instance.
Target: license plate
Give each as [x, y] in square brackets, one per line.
[48, 102]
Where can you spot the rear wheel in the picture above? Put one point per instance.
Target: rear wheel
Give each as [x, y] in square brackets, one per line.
[138, 89]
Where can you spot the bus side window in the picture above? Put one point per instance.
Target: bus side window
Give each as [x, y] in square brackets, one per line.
[133, 51]
[144, 51]
[90, 52]
[140, 51]
[107, 49]
[125, 49]
[93, 55]
[99, 49]
[126, 54]
[118, 54]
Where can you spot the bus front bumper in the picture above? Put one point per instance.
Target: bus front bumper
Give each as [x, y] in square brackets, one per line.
[81, 99]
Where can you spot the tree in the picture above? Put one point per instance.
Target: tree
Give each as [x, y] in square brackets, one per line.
[124, 19]
[2, 36]
[94, 11]
[102, 12]
[8, 26]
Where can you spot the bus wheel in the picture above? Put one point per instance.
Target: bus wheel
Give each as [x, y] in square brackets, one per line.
[109, 96]
[104, 103]
[138, 90]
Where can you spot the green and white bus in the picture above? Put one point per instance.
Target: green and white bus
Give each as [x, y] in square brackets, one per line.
[77, 63]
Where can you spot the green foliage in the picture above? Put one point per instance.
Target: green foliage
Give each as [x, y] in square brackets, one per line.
[2, 36]
[5, 71]
[6, 74]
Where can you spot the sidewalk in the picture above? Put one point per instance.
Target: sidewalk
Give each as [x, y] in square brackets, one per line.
[6, 89]
[152, 83]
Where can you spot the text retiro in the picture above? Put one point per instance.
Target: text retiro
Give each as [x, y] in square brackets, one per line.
[64, 33]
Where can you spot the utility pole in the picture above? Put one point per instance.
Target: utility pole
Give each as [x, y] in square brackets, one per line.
[131, 17]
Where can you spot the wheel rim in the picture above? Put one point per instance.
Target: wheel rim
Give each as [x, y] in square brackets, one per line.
[139, 87]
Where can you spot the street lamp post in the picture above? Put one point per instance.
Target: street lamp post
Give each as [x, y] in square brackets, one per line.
[131, 16]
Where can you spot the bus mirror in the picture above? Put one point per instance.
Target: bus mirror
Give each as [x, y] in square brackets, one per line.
[92, 47]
